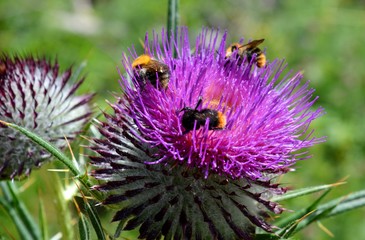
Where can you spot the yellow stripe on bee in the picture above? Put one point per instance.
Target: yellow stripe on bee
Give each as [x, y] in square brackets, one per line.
[261, 60]
[141, 60]
[222, 121]
[230, 50]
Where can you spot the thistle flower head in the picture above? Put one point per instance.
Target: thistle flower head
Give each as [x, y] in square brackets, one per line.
[197, 158]
[34, 94]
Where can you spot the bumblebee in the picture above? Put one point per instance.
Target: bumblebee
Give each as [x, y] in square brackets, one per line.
[147, 68]
[249, 50]
[217, 120]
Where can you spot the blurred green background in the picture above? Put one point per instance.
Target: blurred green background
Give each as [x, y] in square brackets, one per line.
[324, 38]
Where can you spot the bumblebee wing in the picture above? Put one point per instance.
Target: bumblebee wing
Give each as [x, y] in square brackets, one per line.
[208, 113]
[158, 66]
[251, 45]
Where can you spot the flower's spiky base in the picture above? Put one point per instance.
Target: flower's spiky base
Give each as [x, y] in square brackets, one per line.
[34, 95]
[175, 201]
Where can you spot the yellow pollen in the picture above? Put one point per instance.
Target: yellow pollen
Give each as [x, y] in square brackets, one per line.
[141, 60]
[222, 121]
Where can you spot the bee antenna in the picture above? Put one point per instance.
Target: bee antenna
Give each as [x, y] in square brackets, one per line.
[199, 102]
[183, 109]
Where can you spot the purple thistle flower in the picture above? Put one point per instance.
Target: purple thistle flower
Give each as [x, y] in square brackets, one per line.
[35, 95]
[202, 183]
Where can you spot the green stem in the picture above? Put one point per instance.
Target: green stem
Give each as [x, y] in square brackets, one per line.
[172, 22]
[26, 225]
[43, 220]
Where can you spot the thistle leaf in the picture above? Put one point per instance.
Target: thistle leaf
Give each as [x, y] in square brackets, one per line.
[43, 220]
[287, 222]
[20, 215]
[305, 191]
[84, 231]
[57, 154]
[95, 221]
[315, 212]
[46, 145]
